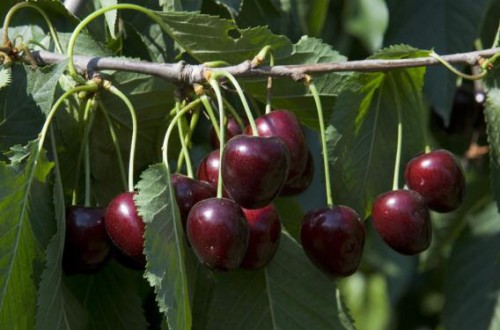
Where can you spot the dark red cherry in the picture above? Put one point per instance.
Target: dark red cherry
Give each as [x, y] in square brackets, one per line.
[254, 169]
[439, 178]
[208, 170]
[87, 244]
[124, 226]
[301, 182]
[333, 238]
[284, 124]
[265, 231]
[218, 233]
[402, 219]
[232, 129]
[189, 192]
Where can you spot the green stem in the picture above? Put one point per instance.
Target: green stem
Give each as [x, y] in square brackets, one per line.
[87, 174]
[319, 108]
[234, 113]
[455, 71]
[399, 141]
[211, 114]
[220, 104]
[14, 9]
[88, 19]
[185, 150]
[112, 89]
[192, 125]
[241, 95]
[171, 126]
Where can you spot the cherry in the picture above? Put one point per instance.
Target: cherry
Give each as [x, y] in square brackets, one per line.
[264, 235]
[124, 226]
[208, 170]
[301, 182]
[188, 192]
[402, 219]
[439, 178]
[333, 238]
[218, 233]
[232, 129]
[284, 124]
[254, 169]
[87, 244]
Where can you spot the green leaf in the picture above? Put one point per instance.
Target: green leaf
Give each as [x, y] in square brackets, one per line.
[111, 298]
[23, 103]
[291, 215]
[472, 282]
[209, 38]
[366, 117]
[111, 16]
[164, 245]
[448, 27]
[290, 293]
[492, 117]
[20, 251]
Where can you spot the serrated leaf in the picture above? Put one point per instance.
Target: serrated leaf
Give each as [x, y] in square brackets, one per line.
[472, 282]
[448, 27]
[264, 299]
[20, 250]
[57, 307]
[24, 103]
[366, 117]
[164, 245]
[111, 298]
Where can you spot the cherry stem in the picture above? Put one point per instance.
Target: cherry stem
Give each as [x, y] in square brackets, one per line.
[317, 100]
[192, 125]
[399, 141]
[95, 14]
[184, 147]
[87, 175]
[237, 86]
[457, 72]
[220, 104]
[14, 9]
[211, 114]
[170, 128]
[116, 144]
[234, 113]
[113, 90]
[269, 86]
[88, 120]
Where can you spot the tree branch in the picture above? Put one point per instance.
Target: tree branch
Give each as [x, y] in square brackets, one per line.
[187, 73]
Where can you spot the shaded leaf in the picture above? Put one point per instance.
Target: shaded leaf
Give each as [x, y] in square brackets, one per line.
[367, 20]
[366, 117]
[164, 245]
[264, 299]
[20, 249]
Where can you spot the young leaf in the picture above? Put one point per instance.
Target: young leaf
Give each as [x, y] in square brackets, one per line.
[366, 117]
[164, 245]
[289, 294]
[20, 250]
[472, 281]
[111, 298]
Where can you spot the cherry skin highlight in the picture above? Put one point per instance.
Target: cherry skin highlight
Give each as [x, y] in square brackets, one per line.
[439, 178]
[218, 233]
[402, 219]
[264, 235]
[333, 239]
[254, 169]
[87, 244]
[124, 226]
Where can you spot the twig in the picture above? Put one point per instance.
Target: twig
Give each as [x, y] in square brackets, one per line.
[187, 73]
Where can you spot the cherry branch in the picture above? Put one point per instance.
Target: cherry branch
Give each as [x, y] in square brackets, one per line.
[182, 72]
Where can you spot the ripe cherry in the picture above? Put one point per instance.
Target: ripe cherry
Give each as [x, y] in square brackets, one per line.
[188, 192]
[218, 233]
[208, 170]
[402, 219]
[301, 182]
[232, 129]
[254, 169]
[333, 238]
[284, 124]
[264, 235]
[87, 244]
[124, 226]
[439, 178]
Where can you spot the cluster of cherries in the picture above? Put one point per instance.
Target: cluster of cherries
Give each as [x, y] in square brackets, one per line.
[435, 181]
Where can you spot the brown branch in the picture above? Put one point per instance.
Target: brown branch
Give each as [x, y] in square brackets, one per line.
[187, 73]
